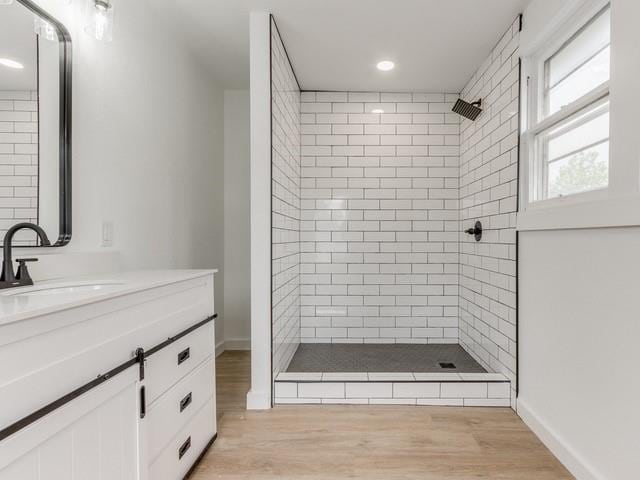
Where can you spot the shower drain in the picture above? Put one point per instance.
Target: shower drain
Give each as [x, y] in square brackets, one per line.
[447, 365]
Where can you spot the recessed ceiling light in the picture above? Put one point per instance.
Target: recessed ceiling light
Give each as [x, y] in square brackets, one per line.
[11, 63]
[377, 110]
[385, 65]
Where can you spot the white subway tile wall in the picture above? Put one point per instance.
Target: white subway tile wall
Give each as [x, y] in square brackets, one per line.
[488, 192]
[285, 199]
[18, 162]
[486, 392]
[380, 217]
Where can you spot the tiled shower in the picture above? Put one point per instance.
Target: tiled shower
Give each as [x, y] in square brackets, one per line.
[371, 194]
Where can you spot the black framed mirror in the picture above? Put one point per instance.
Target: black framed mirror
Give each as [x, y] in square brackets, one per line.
[35, 123]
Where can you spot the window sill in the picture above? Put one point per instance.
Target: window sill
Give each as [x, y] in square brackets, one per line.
[604, 213]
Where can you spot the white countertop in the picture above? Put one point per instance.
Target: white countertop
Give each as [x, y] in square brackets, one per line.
[15, 307]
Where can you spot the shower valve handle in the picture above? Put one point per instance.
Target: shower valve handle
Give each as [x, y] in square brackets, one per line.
[476, 231]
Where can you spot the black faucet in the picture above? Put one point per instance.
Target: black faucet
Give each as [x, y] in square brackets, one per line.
[9, 279]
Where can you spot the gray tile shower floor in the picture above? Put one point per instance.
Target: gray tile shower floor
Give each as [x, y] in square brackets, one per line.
[325, 357]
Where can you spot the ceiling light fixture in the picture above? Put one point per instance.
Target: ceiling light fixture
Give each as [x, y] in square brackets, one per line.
[385, 65]
[11, 63]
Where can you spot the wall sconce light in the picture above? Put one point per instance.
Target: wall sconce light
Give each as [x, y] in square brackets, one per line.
[99, 19]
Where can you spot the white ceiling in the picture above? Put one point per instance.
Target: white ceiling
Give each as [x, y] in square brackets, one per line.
[18, 43]
[335, 44]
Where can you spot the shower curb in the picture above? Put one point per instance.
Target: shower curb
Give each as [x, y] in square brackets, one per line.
[494, 390]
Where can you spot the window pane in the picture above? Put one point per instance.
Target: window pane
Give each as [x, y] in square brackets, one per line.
[574, 135]
[580, 65]
[582, 81]
[581, 172]
[573, 156]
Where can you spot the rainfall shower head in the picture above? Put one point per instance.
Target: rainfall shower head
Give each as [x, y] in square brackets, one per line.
[468, 110]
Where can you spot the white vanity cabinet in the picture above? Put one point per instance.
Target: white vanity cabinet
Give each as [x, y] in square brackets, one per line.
[180, 394]
[131, 419]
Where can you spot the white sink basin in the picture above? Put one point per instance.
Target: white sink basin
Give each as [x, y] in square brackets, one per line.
[67, 288]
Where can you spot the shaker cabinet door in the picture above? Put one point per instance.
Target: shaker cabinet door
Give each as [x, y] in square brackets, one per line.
[93, 436]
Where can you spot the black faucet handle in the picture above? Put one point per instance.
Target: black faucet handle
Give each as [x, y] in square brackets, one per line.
[23, 272]
[476, 231]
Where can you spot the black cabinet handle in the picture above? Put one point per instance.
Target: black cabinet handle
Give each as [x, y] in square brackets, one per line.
[184, 448]
[186, 401]
[184, 355]
[143, 402]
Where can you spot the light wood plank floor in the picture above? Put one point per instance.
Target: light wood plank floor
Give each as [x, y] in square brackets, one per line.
[368, 442]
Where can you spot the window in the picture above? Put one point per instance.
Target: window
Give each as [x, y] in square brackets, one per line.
[581, 65]
[574, 154]
[567, 133]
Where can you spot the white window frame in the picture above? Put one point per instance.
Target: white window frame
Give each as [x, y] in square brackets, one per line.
[535, 122]
[595, 208]
[532, 162]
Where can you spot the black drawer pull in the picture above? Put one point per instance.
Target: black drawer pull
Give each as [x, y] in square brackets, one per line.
[184, 448]
[184, 355]
[143, 402]
[185, 402]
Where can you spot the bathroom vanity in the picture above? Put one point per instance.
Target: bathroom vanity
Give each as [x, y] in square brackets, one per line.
[110, 377]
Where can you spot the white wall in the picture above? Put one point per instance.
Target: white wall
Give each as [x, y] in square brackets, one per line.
[259, 397]
[147, 144]
[49, 137]
[237, 225]
[579, 324]
[579, 359]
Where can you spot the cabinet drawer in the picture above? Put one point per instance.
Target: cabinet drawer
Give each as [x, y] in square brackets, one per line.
[167, 366]
[177, 406]
[183, 449]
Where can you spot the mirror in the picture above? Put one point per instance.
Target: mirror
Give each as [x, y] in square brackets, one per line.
[35, 123]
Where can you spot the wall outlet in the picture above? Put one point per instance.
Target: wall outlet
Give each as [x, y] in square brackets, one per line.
[107, 233]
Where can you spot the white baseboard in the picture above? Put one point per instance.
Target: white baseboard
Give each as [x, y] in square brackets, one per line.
[258, 400]
[577, 465]
[233, 344]
[237, 344]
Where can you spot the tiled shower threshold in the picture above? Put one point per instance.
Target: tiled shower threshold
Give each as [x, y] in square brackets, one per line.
[423, 382]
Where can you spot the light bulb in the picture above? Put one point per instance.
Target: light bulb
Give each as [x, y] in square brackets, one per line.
[101, 22]
[385, 65]
[99, 19]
